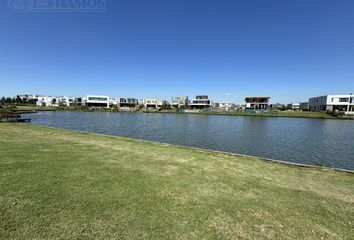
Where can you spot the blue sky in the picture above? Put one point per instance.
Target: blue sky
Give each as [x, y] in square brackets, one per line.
[287, 49]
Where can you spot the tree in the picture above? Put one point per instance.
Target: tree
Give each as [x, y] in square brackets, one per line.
[54, 101]
[18, 99]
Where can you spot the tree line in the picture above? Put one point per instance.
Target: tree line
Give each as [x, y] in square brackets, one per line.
[17, 100]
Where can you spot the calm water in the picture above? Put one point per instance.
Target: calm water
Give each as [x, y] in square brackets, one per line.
[310, 141]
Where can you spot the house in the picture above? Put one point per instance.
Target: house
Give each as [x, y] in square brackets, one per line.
[114, 102]
[154, 103]
[200, 102]
[28, 96]
[334, 103]
[257, 102]
[66, 101]
[128, 102]
[79, 101]
[294, 106]
[224, 106]
[49, 101]
[304, 106]
[276, 106]
[97, 101]
[179, 102]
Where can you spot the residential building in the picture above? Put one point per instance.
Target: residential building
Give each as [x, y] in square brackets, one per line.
[97, 101]
[294, 106]
[28, 96]
[114, 102]
[66, 101]
[79, 101]
[154, 103]
[49, 101]
[276, 106]
[200, 102]
[304, 106]
[336, 103]
[128, 102]
[257, 102]
[224, 106]
[179, 102]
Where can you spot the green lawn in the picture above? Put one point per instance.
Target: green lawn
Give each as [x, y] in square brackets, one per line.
[58, 184]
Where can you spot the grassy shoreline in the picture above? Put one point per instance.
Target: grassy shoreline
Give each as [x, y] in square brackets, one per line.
[57, 183]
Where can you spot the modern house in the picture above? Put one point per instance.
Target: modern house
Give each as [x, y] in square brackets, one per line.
[49, 101]
[128, 102]
[334, 103]
[66, 101]
[294, 106]
[179, 102]
[257, 102]
[28, 96]
[276, 106]
[97, 101]
[224, 106]
[304, 106]
[79, 101]
[154, 103]
[113, 102]
[200, 102]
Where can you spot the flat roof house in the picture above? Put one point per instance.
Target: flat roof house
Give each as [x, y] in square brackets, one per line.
[154, 103]
[97, 101]
[257, 102]
[304, 105]
[128, 102]
[336, 103]
[49, 101]
[66, 101]
[179, 102]
[200, 102]
[294, 106]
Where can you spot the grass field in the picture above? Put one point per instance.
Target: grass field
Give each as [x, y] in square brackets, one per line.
[58, 184]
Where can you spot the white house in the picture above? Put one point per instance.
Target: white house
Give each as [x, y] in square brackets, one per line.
[66, 101]
[336, 103]
[200, 102]
[97, 101]
[154, 103]
[49, 101]
[179, 102]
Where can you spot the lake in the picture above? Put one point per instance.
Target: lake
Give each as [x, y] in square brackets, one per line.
[299, 140]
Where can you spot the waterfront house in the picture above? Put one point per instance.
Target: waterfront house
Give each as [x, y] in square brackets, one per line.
[334, 103]
[97, 101]
[179, 102]
[113, 102]
[304, 106]
[128, 102]
[200, 102]
[154, 103]
[49, 101]
[294, 106]
[66, 101]
[257, 102]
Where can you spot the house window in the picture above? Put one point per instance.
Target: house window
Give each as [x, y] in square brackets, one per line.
[343, 99]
